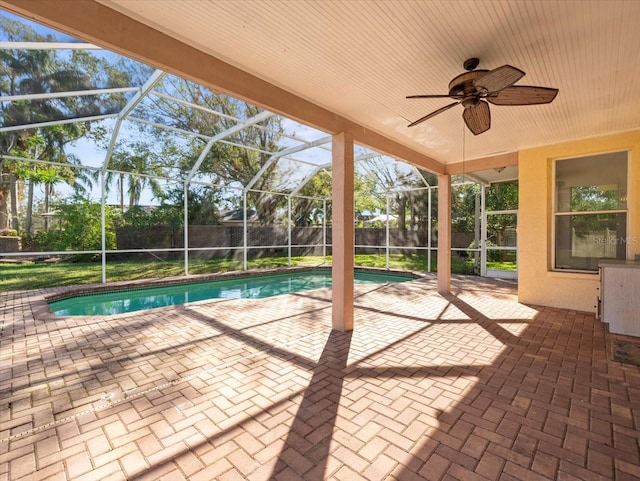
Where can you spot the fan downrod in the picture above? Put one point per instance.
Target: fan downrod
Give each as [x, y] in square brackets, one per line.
[471, 63]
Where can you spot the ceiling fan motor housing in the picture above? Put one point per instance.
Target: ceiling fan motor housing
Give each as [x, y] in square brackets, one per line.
[462, 85]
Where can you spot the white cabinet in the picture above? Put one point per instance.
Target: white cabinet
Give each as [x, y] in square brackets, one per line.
[620, 296]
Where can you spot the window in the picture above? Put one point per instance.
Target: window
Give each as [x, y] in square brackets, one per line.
[590, 211]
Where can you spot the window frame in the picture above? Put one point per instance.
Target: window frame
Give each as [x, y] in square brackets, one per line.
[555, 213]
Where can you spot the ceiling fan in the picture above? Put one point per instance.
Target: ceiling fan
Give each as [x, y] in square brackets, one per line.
[474, 88]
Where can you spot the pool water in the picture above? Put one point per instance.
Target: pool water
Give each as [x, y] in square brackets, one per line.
[254, 287]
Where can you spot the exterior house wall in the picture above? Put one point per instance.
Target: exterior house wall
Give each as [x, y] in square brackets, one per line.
[537, 283]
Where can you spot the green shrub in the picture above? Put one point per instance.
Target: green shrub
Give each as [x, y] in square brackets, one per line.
[81, 226]
[79, 229]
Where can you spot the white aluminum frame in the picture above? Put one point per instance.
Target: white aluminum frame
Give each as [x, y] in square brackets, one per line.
[149, 89]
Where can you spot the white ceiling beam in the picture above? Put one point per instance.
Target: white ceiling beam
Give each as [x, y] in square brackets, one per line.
[248, 147]
[417, 172]
[220, 114]
[282, 153]
[74, 93]
[133, 102]
[408, 189]
[328, 165]
[146, 176]
[38, 125]
[48, 162]
[305, 146]
[195, 106]
[236, 128]
[194, 134]
[300, 161]
[260, 172]
[305, 181]
[168, 127]
[151, 82]
[371, 155]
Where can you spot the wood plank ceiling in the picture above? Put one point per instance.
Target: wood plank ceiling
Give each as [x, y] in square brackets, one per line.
[360, 59]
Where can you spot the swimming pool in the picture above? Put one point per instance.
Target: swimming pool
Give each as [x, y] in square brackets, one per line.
[249, 287]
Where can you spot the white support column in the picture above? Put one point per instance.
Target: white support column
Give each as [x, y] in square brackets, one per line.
[343, 236]
[185, 213]
[244, 230]
[289, 231]
[151, 82]
[103, 228]
[444, 234]
[483, 232]
[324, 231]
[387, 233]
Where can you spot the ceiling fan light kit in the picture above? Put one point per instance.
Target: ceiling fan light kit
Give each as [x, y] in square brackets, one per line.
[474, 88]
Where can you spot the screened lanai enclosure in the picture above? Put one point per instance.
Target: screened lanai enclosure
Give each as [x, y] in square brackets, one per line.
[110, 163]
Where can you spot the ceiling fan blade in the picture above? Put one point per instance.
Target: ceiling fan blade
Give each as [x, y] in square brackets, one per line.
[432, 114]
[443, 96]
[498, 78]
[523, 95]
[478, 118]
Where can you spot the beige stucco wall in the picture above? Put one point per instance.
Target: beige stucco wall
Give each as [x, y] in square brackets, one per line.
[537, 283]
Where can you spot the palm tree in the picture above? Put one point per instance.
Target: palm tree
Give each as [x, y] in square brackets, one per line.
[44, 71]
[138, 160]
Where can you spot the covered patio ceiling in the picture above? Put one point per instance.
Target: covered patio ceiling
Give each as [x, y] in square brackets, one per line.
[357, 60]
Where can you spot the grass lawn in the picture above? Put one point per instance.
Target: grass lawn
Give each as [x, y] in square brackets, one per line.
[27, 276]
[502, 266]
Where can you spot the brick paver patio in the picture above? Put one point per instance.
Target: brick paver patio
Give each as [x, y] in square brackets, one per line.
[472, 386]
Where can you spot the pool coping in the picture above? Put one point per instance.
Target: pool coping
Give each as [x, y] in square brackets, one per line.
[45, 313]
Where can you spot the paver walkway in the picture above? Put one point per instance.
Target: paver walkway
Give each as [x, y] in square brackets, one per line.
[472, 386]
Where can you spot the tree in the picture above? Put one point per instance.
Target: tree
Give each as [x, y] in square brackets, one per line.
[45, 71]
[306, 210]
[47, 144]
[202, 204]
[376, 178]
[593, 197]
[139, 161]
[463, 207]
[586, 198]
[80, 227]
[367, 194]
[501, 196]
[225, 162]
